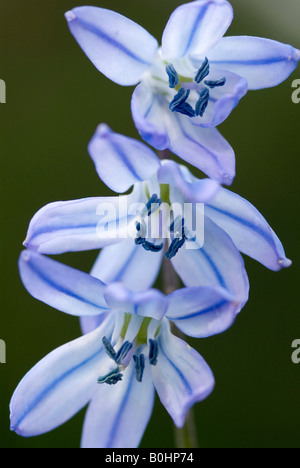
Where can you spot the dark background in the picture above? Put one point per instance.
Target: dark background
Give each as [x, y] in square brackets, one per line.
[55, 100]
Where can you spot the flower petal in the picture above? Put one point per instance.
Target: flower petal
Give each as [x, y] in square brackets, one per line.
[201, 312]
[118, 415]
[60, 385]
[217, 263]
[181, 376]
[194, 28]
[77, 225]
[118, 47]
[121, 161]
[60, 286]
[248, 229]
[151, 303]
[263, 62]
[128, 263]
[193, 189]
[148, 116]
[222, 99]
[204, 148]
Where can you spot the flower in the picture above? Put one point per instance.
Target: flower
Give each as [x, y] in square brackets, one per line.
[206, 255]
[128, 351]
[189, 84]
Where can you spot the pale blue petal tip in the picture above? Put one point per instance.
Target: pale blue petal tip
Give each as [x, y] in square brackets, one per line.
[70, 16]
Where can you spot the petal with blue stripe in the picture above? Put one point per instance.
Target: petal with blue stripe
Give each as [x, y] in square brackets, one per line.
[128, 263]
[77, 225]
[60, 286]
[148, 112]
[204, 148]
[181, 376]
[262, 62]
[201, 312]
[248, 229]
[118, 47]
[118, 415]
[121, 161]
[194, 28]
[216, 263]
[60, 385]
[193, 189]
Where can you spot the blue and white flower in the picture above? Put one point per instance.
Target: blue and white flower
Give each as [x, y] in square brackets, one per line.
[128, 352]
[189, 84]
[206, 256]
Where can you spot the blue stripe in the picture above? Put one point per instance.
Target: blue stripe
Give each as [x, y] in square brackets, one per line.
[186, 383]
[267, 61]
[199, 18]
[186, 135]
[91, 227]
[245, 223]
[51, 387]
[51, 283]
[201, 312]
[105, 37]
[125, 266]
[220, 278]
[111, 439]
[117, 148]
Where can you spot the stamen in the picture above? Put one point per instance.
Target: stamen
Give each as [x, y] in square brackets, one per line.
[203, 71]
[179, 98]
[139, 366]
[111, 378]
[153, 204]
[216, 84]
[123, 351]
[150, 247]
[109, 349]
[202, 102]
[173, 76]
[153, 352]
[174, 247]
[177, 227]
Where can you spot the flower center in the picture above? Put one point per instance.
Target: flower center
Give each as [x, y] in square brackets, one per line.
[202, 87]
[146, 231]
[131, 350]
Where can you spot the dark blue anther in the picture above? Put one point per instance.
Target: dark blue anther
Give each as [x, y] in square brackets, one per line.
[123, 351]
[203, 71]
[174, 247]
[149, 246]
[139, 241]
[179, 104]
[111, 378]
[202, 102]
[179, 98]
[153, 352]
[138, 226]
[139, 366]
[173, 76]
[109, 349]
[216, 84]
[153, 204]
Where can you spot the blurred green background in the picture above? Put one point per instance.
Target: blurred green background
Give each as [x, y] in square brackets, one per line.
[55, 100]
